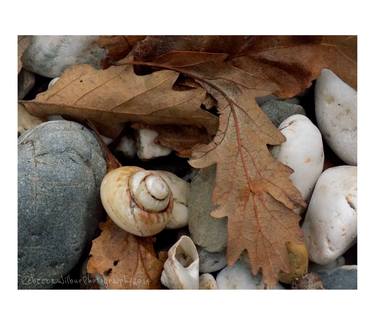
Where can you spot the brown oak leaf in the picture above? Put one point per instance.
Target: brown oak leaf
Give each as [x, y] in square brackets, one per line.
[117, 95]
[252, 189]
[124, 261]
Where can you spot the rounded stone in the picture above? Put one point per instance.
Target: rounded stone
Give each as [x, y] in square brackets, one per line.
[343, 277]
[60, 169]
[49, 56]
[302, 151]
[336, 115]
[278, 110]
[330, 225]
[207, 232]
[211, 262]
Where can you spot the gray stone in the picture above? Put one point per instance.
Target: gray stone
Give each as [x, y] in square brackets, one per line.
[60, 169]
[211, 262]
[208, 232]
[26, 81]
[278, 111]
[343, 277]
[49, 56]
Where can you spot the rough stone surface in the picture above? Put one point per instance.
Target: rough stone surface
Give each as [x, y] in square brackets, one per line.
[208, 232]
[330, 225]
[336, 115]
[278, 111]
[343, 277]
[211, 262]
[60, 168]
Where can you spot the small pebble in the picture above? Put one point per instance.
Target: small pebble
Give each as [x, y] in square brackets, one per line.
[278, 111]
[211, 262]
[343, 277]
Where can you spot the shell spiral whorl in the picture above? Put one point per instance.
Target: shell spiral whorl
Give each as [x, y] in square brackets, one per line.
[137, 200]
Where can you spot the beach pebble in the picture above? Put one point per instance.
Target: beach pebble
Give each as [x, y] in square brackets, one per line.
[26, 121]
[336, 115]
[330, 225]
[278, 110]
[60, 169]
[49, 56]
[207, 232]
[343, 277]
[211, 262]
[302, 151]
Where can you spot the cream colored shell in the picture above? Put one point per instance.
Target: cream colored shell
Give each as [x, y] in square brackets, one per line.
[126, 197]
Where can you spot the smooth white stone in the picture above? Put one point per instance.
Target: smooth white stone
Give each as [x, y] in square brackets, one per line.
[336, 115]
[302, 151]
[147, 148]
[330, 225]
[340, 261]
[49, 56]
[211, 262]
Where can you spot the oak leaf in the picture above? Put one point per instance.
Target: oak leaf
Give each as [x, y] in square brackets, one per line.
[117, 95]
[124, 261]
[252, 189]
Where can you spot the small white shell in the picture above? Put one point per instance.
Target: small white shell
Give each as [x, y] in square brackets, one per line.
[137, 200]
[181, 269]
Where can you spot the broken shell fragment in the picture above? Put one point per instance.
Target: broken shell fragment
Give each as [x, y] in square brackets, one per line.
[181, 269]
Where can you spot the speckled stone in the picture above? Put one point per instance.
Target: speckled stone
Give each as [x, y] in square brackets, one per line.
[60, 168]
[278, 111]
[207, 232]
[343, 277]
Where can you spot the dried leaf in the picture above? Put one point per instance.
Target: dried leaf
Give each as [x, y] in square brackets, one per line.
[124, 261]
[178, 138]
[252, 188]
[117, 46]
[116, 95]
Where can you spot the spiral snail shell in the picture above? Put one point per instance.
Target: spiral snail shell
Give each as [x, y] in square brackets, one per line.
[141, 201]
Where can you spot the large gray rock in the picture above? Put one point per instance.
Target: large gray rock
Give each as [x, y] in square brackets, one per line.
[208, 232]
[60, 169]
[278, 111]
[343, 277]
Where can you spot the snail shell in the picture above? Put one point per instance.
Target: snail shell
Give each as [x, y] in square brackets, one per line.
[137, 200]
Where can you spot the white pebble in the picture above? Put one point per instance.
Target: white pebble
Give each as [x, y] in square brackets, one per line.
[302, 151]
[336, 114]
[330, 225]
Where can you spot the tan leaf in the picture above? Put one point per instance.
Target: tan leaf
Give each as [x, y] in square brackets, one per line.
[124, 261]
[117, 46]
[252, 189]
[117, 95]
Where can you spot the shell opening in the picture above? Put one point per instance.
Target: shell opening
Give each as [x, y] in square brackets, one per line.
[150, 191]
